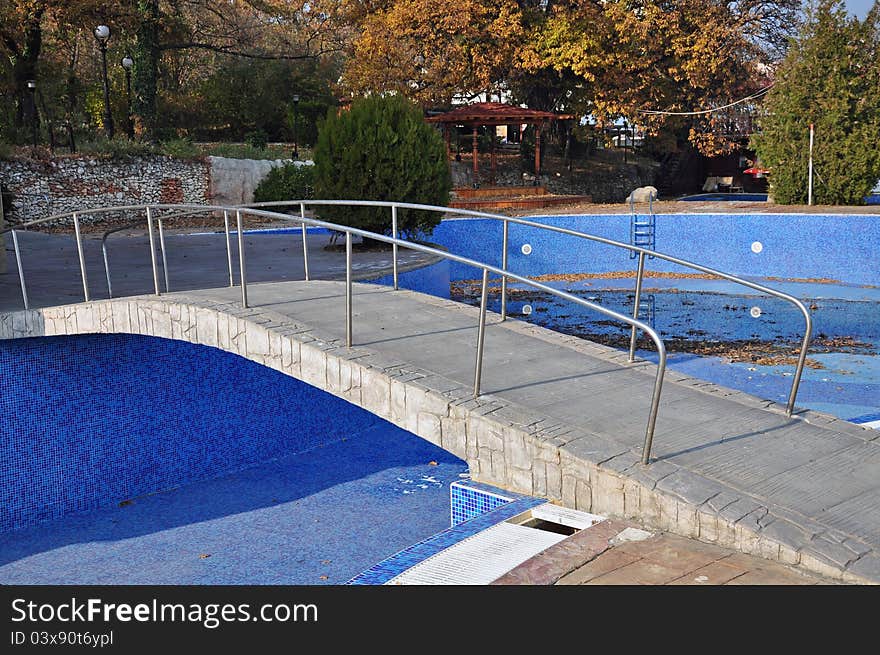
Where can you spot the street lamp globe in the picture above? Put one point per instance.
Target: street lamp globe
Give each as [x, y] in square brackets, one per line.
[102, 33]
[127, 62]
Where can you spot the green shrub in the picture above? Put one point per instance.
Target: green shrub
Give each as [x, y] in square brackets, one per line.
[381, 149]
[288, 182]
[117, 148]
[181, 149]
[258, 139]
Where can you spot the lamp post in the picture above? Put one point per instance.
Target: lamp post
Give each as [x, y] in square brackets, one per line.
[295, 121]
[127, 63]
[102, 34]
[32, 87]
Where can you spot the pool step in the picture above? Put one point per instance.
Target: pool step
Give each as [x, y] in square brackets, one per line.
[490, 553]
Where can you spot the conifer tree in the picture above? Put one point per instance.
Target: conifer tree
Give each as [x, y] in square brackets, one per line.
[830, 78]
[381, 149]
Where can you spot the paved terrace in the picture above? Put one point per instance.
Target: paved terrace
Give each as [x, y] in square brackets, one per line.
[559, 417]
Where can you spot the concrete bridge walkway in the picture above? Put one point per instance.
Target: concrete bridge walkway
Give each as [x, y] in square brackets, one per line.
[569, 419]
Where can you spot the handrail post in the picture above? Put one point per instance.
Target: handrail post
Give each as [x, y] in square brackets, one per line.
[802, 358]
[348, 317]
[228, 247]
[106, 267]
[394, 245]
[655, 400]
[82, 259]
[153, 252]
[481, 332]
[636, 303]
[240, 229]
[504, 236]
[162, 250]
[24, 296]
[302, 215]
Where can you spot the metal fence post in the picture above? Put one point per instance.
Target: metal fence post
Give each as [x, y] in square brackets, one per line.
[82, 259]
[504, 266]
[24, 296]
[238, 221]
[153, 251]
[636, 302]
[655, 402]
[228, 247]
[348, 317]
[481, 332]
[302, 214]
[106, 267]
[802, 358]
[162, 250]
[394, 245]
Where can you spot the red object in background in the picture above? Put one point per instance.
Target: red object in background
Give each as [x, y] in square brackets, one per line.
[755, 170]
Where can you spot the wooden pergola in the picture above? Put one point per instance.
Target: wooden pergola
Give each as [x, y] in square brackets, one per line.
[494, 114]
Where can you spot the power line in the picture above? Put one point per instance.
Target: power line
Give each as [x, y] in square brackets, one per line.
[757, 94]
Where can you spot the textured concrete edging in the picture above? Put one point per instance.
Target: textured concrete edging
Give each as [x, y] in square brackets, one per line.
[504, 445]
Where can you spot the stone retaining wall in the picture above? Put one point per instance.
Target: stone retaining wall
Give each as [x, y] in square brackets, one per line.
[504, 445]
[66, 184]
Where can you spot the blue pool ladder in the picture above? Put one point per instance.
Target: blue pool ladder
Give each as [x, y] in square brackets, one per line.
[642, 229]
[642, 233]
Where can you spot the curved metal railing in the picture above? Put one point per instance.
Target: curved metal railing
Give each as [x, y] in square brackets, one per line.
[349, 233]
[640, 271]
[257, 209]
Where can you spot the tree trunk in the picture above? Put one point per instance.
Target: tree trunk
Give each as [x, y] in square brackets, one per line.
[24, 59]
[145, 72]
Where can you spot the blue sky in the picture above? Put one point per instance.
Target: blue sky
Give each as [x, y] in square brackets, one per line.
[859, 7]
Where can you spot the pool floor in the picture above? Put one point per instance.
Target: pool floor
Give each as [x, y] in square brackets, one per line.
[842, 376]
[316, 518]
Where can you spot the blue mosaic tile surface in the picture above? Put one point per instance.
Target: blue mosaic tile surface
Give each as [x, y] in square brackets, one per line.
[866, 418]
[470, 499]
[93, 420]
[409, 557]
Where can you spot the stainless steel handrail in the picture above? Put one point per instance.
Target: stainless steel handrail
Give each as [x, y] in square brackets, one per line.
[643, 252]
[350, 231]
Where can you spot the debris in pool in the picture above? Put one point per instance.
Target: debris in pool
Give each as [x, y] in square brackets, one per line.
[204, 555]
[126, 503]
[432, 463]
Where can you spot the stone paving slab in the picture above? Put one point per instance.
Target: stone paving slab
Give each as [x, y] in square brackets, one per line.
[661, 559]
